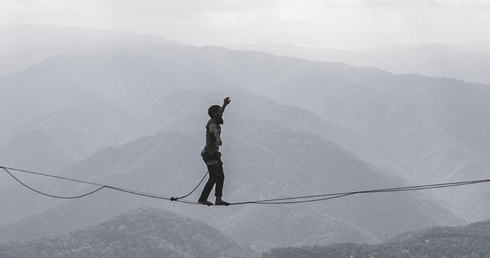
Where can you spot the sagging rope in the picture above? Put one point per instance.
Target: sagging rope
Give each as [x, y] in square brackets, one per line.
[287, 200]
[100, 187]
[50, 195]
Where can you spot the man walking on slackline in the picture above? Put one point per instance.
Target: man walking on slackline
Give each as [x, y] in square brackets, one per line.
[212, 156]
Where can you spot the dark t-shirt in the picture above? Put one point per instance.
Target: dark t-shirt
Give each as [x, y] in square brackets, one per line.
[210, 138]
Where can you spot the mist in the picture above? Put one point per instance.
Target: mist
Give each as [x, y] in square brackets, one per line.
[126, 110]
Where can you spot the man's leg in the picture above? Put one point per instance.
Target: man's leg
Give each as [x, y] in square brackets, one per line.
[209, 185]
[220, 179]
[211, 160]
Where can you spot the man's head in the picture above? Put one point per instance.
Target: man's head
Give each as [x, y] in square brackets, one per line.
[215, 113]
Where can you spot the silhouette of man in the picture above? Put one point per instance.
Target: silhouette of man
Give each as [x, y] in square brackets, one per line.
[212, 156]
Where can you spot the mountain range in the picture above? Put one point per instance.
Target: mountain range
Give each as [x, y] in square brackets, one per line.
[133, 116]
[467, 62]
[280, 161]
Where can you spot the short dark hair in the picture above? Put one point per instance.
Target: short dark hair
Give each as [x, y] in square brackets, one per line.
[213, 109]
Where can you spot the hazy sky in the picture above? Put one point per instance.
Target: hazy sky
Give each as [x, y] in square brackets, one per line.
[329, 23]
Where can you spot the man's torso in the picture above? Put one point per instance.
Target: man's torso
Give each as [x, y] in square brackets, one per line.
[210, 138]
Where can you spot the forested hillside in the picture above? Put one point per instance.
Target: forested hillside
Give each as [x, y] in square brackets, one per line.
[472, 241]
[157, 233]
[141, 233]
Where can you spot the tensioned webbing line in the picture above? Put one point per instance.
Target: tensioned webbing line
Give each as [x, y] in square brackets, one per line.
[324, 197]
[287, 200]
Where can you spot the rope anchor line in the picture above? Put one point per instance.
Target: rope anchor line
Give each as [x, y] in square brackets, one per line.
[288, 200]
[195, 188]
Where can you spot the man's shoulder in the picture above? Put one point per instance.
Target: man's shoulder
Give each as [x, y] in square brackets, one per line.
[212, 125]
[211, 122]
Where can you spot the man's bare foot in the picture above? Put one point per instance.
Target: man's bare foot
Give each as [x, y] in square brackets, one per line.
[219, 201]
[208, 203]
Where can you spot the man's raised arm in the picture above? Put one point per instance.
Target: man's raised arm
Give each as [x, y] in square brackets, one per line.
[226, 101]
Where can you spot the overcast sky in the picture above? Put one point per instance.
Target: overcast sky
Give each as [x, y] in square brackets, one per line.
[344, 24]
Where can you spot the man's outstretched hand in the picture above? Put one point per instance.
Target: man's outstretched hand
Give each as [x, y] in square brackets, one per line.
[226, 101]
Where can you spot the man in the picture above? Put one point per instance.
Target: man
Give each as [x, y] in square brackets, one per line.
[212, 156]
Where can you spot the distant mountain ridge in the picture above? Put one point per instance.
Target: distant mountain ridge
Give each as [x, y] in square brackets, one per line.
[24, 45]
[466, 62]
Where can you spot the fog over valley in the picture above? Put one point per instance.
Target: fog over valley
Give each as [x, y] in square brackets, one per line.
[128, 110]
